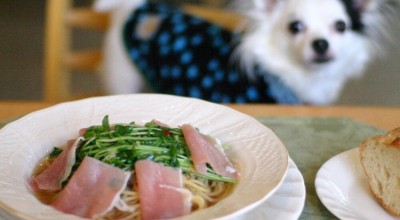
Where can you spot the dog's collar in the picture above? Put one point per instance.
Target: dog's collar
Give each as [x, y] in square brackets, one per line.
[278, 89]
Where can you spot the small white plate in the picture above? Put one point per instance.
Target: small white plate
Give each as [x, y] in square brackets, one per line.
[343, 188]
[287, 202]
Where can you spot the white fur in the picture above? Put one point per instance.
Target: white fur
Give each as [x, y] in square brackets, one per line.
[289, 57]
[269, 43]
[119, 74]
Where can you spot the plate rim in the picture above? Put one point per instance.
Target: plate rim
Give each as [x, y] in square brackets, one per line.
[37, 113]
[295, 172]
[356, 168]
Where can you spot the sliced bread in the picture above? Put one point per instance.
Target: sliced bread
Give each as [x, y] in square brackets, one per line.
[380, 159]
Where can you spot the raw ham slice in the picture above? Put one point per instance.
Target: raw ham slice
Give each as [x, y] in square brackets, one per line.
[161, 191]
[159, 123]
[52, 177]
[93, 190]
[206, 150]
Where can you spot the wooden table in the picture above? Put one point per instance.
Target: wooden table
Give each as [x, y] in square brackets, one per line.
[381, 117]
[304, 147]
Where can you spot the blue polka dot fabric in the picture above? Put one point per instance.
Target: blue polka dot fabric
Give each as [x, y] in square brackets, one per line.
[188, 56]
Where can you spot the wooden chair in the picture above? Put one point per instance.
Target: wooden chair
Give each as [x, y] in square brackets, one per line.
[61, 59]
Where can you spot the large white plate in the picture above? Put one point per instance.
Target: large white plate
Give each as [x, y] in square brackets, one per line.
[343, 188]
[259, 155]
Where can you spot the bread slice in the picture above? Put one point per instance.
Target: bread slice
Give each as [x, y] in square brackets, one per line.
[380, 159]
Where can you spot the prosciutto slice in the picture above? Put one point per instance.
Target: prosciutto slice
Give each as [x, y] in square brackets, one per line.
[206, 150]
[52, 177]
[159, 123]
[161, 191]
[93, 190]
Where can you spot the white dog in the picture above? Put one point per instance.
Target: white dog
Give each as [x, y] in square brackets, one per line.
[292, 51]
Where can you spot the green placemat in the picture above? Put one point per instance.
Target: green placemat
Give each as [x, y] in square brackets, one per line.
[311, 142]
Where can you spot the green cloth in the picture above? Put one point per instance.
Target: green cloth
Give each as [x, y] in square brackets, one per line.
[311, 142]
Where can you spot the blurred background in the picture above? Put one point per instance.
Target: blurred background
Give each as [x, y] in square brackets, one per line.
[21, 59]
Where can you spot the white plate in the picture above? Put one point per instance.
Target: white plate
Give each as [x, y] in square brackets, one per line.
[261, 157]
[286, 203]
[343, 188]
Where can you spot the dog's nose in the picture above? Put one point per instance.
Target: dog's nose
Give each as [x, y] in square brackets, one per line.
[320, 46]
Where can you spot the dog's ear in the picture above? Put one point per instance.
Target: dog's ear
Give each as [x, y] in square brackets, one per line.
[376, 7]
[370, 5]
[378, 20]
[266, 5]
[370, 12]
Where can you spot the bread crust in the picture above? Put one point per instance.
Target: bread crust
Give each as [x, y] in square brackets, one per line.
[390, 140]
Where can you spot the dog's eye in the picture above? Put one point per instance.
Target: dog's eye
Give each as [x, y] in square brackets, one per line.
[296, 27]
[340, 26]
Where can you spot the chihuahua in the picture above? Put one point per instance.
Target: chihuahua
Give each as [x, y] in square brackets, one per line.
[289, 51]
